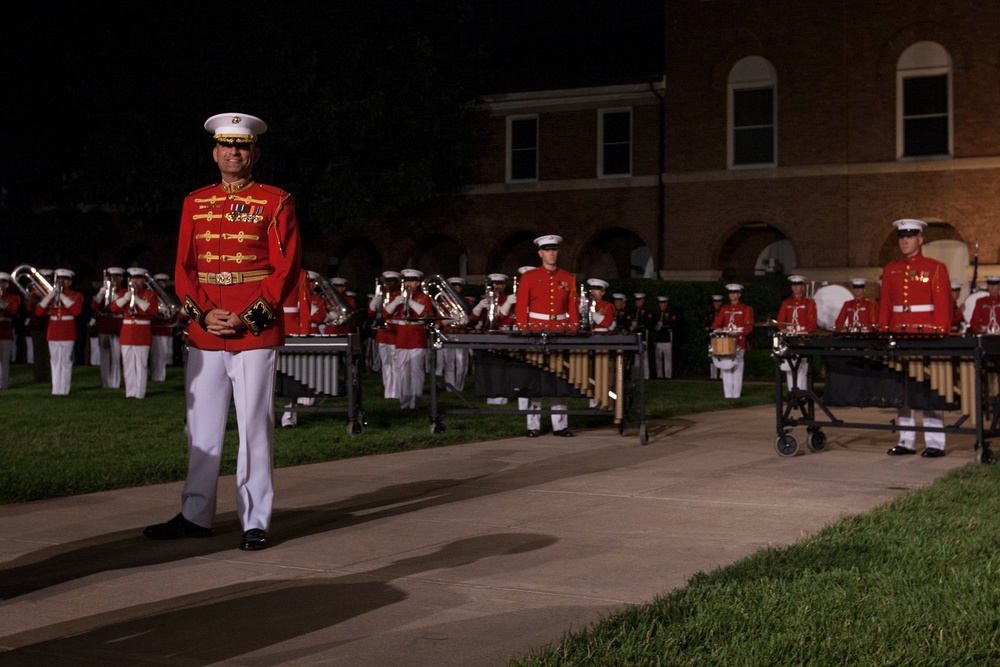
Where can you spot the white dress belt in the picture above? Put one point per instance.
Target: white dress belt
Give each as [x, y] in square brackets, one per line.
[546, 316]
[919, 308]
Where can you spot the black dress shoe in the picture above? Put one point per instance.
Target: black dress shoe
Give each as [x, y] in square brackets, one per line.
[532, 433]
[563, 433]
[254, 539]
[176, 528]
[900, 451]
[932, 453]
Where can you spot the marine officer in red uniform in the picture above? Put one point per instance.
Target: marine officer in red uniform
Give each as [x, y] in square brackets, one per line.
[547, 300]
[137, 307]
[860, 314]
[797, 316]
[916, 298]
[736, 319]
[238, 257]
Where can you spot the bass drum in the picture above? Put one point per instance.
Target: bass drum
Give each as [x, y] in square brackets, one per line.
[969, 306]
[830, 299]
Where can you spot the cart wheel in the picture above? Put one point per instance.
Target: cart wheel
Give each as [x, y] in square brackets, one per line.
[816, 441]
[643, 434]
[986, 456]
[438, 427]
[354, 427]
[786, 444]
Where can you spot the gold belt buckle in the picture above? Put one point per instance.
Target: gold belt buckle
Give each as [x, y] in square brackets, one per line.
[552, 317]
[906, 309]
[224, 278]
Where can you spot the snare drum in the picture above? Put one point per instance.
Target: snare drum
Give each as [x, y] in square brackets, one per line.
[723, 350]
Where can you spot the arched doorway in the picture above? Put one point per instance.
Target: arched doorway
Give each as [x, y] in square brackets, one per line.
[617, 254]
[438, 254]
[756, 248]
[358, 260]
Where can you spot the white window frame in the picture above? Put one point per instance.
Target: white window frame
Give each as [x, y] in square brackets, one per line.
[751, 73]
[920, 60]
[601, 113]
[510, 149]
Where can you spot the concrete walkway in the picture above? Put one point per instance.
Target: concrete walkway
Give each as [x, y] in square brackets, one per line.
[465, 555]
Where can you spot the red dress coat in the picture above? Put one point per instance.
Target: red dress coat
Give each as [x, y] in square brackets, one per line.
[238, 250]
[915, 296]
[547, 300]
[736, 318]
[137, 327]
[62, 318]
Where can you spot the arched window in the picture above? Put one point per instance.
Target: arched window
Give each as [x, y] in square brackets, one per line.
[923, 102]
[753, 113]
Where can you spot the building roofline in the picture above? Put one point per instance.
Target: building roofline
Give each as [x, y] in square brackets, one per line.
[647, 91]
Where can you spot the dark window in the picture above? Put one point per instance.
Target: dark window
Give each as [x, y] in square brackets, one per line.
[617, 143]
[524, 149]
[925, 115]
[753, 126]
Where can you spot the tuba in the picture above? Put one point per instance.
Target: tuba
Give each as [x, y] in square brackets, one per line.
[169, 304]
[30, 282]
[338, 312]
[446, 300]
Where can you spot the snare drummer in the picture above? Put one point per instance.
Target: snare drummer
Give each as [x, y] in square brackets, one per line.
[713, 370]
[735, 318]
[860, 314]
[986, 315]
[797, 316]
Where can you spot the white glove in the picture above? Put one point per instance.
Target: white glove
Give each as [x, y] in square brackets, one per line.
[505, 308]
[44, 303]
[142, 303]
[67, 301]
[512, 298]
[597, 318]
[99, 298]
[122, 300]
[394, 304]
[375, 304]
[416, 307]
[480, 307]
[3, 303]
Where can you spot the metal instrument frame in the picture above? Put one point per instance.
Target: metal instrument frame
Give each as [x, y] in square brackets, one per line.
[982, 351]
[347, 345]
[544, 341]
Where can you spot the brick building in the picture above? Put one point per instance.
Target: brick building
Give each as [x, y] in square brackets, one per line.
[783, 136]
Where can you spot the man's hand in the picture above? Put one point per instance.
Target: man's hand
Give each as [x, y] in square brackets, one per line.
[223, 323]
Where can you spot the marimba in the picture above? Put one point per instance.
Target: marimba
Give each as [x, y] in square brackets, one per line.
[923, 372]
[606, 367]
[310, 366]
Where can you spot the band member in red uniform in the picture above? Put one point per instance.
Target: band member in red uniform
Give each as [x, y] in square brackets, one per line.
[238, 257]
[797, 315]
[340, 287]
[546, 300]
[109, 327]
[409, 312]
[162, 351]
[735, 318]
[987, 311]
[860, 314]
[385, 333]
[63, 306]
[916, 298]
[9, 305]
[137, 306]
[451, 364]
[602, 318]
[502, 316]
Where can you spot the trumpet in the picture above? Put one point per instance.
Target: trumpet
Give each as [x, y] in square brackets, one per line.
[108, 292]
[30, 282]
[446, 300]
[491, 308]
[588, 307]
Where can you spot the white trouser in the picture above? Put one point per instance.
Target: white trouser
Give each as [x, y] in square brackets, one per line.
[453, 366]
[931, 418]
[211, 380]
[135, 360]
[410, 374]
[5, 347]
[61, 363]
[159, 354]
[95, 350]
[801, 378]
[732, 379]
[559, 421]
[664, 360]
[111, 361]
[389, 382]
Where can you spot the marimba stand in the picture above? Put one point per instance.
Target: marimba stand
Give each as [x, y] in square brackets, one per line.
[310, 363]
[540, 343]
[864, 370]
